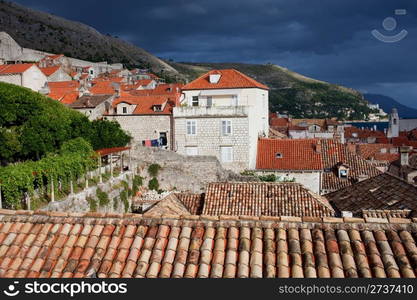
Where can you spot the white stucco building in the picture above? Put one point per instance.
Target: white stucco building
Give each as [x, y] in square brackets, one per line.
[222, 114]
[25, 75]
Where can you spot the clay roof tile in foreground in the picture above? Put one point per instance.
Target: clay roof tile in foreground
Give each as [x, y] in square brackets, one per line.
[61, 245]
[230, 78]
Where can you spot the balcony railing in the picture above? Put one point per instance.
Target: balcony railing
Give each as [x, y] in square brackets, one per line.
[202, 111]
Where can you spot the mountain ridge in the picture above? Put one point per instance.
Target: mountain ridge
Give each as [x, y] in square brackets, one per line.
[291, 92]
[387, 104]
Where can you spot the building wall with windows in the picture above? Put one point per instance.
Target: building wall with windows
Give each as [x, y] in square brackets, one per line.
[225, 137]
[246, 107]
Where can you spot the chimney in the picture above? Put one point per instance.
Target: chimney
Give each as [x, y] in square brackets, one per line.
[351, 148]
[362, 177]
[318, 147]
[405, 155]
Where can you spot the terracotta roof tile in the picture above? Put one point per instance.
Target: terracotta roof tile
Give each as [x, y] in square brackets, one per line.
[151, 248]
[382, 192]
[266, 199]
[14, 68]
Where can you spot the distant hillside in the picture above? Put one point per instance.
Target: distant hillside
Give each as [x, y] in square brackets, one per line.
[300, 96]
[293, 93]
[42, 31]
[388, 103]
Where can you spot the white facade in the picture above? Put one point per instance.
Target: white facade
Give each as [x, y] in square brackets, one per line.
[310, 179]
[59, 75]
[32, 78]
[212, 110]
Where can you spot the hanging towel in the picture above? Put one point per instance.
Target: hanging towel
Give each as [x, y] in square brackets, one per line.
[148, 143]
[154, 143]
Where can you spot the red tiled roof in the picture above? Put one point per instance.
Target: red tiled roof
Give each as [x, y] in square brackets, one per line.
[145, 104]
[62, 245]
[64, 91]
[382, 192]
[107, 151]
[230, 78]
[264, 199]
[279, 122]
[48, 71]
[362, 133]
[103, 88]
[14, 68]
[333, 153]
[193, 202]
[296, 154]
[372, 151]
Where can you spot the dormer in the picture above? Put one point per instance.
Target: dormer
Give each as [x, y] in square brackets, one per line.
[343, 171]
[214, 78]
[157, 107]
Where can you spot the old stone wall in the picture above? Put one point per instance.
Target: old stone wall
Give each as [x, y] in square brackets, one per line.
[144, 127]
[79, 202]
[182, 173]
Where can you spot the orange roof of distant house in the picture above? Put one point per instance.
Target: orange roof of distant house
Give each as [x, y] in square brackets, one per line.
[381, 152]
[70, 98]
[48, 71]
[103, 88]
[229, 79]
[145, 104]
[297, 154]
[362, 133]
[55, 56]
[168, 89]
[14, 68]
[279, 122]
[64, 91]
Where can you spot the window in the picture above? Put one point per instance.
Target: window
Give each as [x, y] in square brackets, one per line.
[157, 107]
[278, 155]
[195, 101]
[226, 154]
[209, 101]
[191, 151]
[226, 127]
[125, 110]
[191, 127]
[235, 101]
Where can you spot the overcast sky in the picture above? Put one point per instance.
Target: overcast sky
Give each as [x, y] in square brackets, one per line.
[329, 40]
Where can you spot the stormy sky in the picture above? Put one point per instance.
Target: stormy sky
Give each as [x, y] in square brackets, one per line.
[329, 40]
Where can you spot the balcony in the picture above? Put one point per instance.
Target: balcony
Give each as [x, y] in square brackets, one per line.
[212, 111]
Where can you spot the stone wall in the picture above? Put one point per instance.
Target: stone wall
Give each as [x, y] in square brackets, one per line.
[182, 173]
[79, 202]
[145, 127]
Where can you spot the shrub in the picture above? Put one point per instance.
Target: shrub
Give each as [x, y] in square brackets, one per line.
[103, 198]
[153, 170]
[153, 184]
[93, 204]
[268, 178]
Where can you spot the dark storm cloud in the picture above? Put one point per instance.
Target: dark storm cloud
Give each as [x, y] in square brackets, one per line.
[328, 39]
